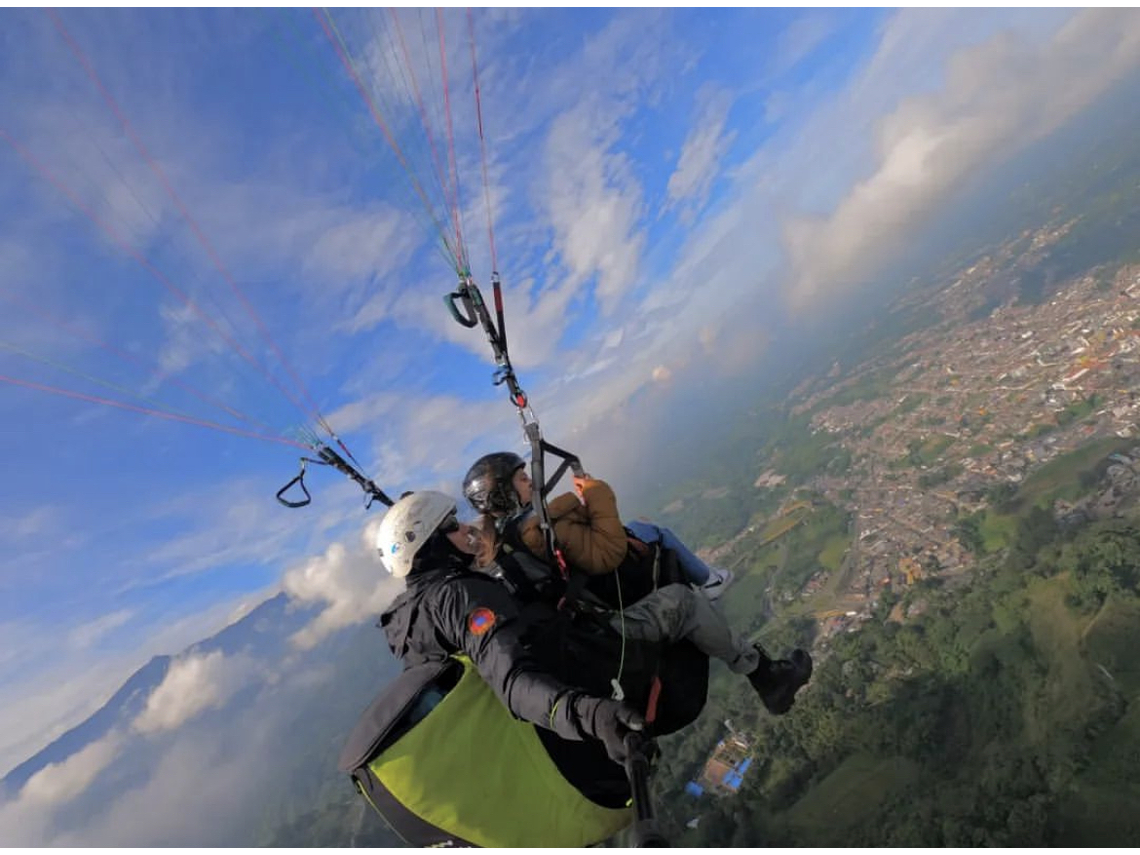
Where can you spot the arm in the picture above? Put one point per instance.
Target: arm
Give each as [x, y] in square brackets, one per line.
[592, 532]
[480, 619]
[560, 507]
[484, 621]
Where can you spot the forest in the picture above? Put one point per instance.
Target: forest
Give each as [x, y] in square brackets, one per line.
[1001, 709]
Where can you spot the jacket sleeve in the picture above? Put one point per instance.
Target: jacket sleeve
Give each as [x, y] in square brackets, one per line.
[592, 534]
[480, 619]
[559, 507]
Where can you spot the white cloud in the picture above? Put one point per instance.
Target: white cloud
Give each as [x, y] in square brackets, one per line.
[245, 606]
[194, 796]
[60, 782]
[360, 244]
[228, 523]
[89, 634]
[269, 223]
[189, 339]
[350, 582]
[194, 684]
[36, 521]
[27, 819]
[53, 692]
[198, 793]
[699, 162]
[711, 307]
[800, 39]
[416, 433]
[192, 788]
[21, 825]
[373, 410]
[49, 695]
[998, 97]
[97, 178]
[594, 204]
[776, 105]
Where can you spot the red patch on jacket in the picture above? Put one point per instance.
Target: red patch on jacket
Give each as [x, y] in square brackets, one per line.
[480, 621]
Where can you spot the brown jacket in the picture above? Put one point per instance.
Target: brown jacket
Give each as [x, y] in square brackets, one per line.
[592, 536]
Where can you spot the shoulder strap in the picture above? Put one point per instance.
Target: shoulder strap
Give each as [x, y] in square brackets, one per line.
[514, 576]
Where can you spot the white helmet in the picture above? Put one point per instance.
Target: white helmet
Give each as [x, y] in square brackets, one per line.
[408, 525]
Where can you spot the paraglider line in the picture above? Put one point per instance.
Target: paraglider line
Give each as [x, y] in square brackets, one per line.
[420, 104]
[141, 259]
[190, 221]
[151, 412]
[483, 157]
[129, 357]
[457, 213]
[342, 52]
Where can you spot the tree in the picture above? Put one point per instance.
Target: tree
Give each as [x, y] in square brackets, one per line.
[1034, 530]
[1000, 493]
[969, 534]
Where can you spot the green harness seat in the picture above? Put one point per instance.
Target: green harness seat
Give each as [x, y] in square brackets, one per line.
[440, 757]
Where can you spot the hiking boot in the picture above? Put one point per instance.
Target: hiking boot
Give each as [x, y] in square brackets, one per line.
[718, 580]
[778, 681]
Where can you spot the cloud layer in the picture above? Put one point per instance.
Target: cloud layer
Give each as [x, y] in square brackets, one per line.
[999, 96]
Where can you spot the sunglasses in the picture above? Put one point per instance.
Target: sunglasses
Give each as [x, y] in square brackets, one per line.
[450, 523]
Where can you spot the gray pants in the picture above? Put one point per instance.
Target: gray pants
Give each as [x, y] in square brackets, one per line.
[677, 612]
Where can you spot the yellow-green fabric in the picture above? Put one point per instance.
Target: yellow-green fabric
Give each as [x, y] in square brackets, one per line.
[475, 771]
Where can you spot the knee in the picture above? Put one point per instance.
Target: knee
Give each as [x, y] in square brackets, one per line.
[682, 599]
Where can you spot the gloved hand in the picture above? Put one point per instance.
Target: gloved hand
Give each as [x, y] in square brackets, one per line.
[610, 721]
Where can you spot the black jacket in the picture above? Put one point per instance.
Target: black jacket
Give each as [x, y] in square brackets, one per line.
[449, 609]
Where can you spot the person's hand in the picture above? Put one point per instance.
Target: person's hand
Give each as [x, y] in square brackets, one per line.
[580, 482]
[610, 721]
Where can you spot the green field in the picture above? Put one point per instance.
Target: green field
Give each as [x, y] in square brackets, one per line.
[1068, 681]
[782, 525]
[1110, 641]
[859, 786]
[1065, 477]
[1007, 714]
[807, 543]
[1060, 478]
[1102, 808]
[831, 556]
[997, 530]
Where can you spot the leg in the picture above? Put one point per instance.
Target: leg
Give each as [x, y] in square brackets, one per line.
[695, 570]
[678, 612]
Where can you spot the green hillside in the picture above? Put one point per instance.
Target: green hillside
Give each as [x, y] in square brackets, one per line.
[1004, 712]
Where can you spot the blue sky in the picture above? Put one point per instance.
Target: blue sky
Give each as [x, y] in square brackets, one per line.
[667, 187]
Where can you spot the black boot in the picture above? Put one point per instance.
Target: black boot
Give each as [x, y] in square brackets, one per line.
[778, 681]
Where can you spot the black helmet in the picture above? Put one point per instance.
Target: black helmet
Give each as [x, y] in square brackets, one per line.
[487, 484]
